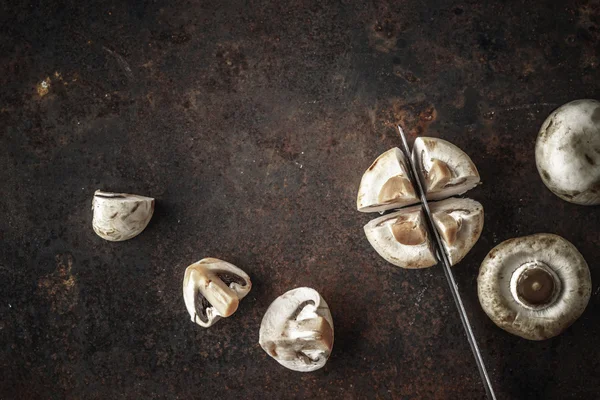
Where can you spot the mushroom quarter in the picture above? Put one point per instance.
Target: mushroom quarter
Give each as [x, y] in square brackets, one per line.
[120, 216]
[567, 152]
[297, 330]
[212, 289]
[534, 286]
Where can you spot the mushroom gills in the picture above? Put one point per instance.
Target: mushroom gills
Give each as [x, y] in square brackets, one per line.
[444, 169]
[402, 239]
[386, 184]
[459, 223]
[297, 330]
[534, 286]
[120, 216]
[212, 289]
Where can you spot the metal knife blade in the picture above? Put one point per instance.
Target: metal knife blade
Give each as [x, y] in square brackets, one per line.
[443, 257]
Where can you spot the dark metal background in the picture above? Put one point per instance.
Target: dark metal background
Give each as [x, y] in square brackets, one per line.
[252, 123]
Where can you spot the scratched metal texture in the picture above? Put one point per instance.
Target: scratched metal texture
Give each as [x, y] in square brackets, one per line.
[251, 123]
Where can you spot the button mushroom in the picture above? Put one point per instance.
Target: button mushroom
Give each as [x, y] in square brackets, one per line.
[212, 289]
[402, 239]
[120, 216]
[534, 286]
[297, 330]
[459, 222]
[567, 152]
[444, 169]
[386, 184]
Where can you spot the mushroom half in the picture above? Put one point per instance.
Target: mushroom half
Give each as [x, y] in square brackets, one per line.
[402, 238]
[120, 216]
[459, 223]
[567, 152]
[212, 289]
[297, 330]
[534, 286]
[386, 184]
[444, 169]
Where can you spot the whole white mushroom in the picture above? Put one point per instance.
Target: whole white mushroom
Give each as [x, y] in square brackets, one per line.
[567, 152]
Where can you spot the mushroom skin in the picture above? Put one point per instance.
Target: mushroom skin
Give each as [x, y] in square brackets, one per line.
[212, 289]
[401, 238]
[443, 168]
[567, 152]
[386, 184]
[120, 216]
[297, 330]
[534, 286]
[459, 223]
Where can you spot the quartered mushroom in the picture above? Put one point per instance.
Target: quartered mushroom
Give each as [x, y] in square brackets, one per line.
[444, 169]
[402, 238]
[386, 184]
[212, 289]
[297, 330]
[567, 152]
[459, 223]
[120, 216]
[534, 286]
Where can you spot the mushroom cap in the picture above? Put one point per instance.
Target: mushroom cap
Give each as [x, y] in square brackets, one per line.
[459, 222]
[444, 169]
[402, 238]
[510, 263]
[212, 289]
[386, 184]
[297, 330]
[567, 152]
[120, 216]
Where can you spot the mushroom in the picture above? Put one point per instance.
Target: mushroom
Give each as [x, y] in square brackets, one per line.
[534, 286]
[120, 216]
[212, 289]
[402, 239]
[297, 330]
[567, 152]
[459, 223]
[444, 169]
[386, 184]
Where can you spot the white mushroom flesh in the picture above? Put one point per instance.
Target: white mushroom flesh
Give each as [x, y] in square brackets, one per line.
[459, 222]
[120, 216]
[444, 169]
[402, 239]
[534, 286]
[297, 330]
[212, 289]
[567, 152]
[386, 184]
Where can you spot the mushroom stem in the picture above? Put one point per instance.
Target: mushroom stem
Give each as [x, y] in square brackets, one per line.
[535, 285]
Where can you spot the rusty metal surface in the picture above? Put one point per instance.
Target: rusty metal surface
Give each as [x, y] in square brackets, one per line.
[252, 123]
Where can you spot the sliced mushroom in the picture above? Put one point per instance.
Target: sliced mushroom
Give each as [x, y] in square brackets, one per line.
[459, 222]
[402, 239]
[297, 330]
[120, 216]
[567, 152]
[534, 286]
[444, 169]
[212, 289]
[386, 184]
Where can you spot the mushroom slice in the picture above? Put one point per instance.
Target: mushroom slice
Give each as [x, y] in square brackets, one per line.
[120, 216]
[297, 330]
[402, 239]
[534, 286]
[212, 289]
[386, 184]
[459, 222]
[444, 169]
[567, 152]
